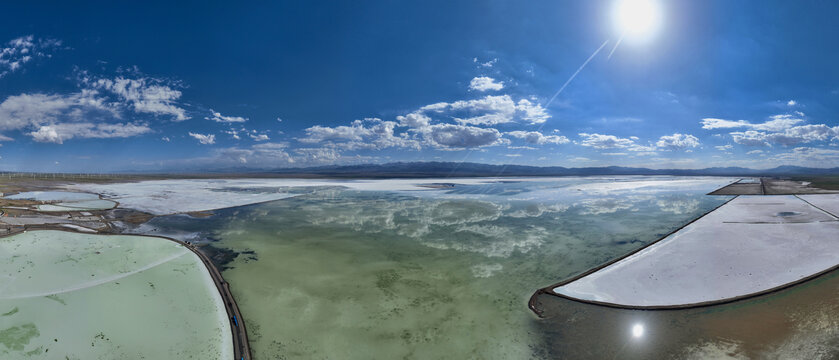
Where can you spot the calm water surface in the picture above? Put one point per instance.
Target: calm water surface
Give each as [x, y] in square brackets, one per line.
[430, 274]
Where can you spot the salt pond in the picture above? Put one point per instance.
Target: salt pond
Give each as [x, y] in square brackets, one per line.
[749, 245]
[84, 296]
[355, 273]
[65, 201]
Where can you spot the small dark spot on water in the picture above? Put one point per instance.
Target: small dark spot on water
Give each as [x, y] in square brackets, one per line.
[787, 213]
[625, 242]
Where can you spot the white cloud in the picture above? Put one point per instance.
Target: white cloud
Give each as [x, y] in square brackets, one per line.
[462, 136]
[755, 152]
[600, 141]
[487, 64]
[783, 129]
[724, 147]
[264, 154]
[789, 137]
[259, 137]
[750, 138]
[537, 138]
[777, 123]
[485, 83]
[56, 118]
[218, 117]
[414, 120]
[26, 110]
[24, 49]
[490, 110]
[144, 95]
[207, 139]
[808, 156]
[370, 133]
[234, 133]
[677, 142]
[791, 103]
[58, 133]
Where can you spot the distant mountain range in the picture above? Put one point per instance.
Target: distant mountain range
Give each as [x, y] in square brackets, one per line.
[451, 169]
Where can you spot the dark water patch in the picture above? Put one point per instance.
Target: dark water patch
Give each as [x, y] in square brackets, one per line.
[16, 338]
[787, 213]
[220, 257]
[800, 322]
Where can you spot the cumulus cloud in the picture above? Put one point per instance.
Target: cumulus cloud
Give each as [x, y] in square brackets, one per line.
[490, 110]
[789, 137]
[218, 117]
[457, 125]
[462, 136]
[34, 111]
[677, 142]
[259, 137]
[537, 138]
[792, 103]
[143, 94]
[58, 133]
[370, 133]
[600, 141]
[207, 139]
[414, 120]
[26, 110]
[485, 83]
[725, 147]
[783, 129]
[17, 52]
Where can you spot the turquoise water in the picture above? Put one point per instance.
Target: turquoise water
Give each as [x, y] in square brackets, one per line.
[65, 295]
[427, 274]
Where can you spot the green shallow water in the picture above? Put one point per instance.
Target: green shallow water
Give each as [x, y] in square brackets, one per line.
[433, 274]
[77, 296]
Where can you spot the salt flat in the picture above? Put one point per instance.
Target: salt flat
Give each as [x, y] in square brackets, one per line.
[749, 245]
[163, 197]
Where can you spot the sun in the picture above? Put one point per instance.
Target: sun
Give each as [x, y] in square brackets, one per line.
[637, 20]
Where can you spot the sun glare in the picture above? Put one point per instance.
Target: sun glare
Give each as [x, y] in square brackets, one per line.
[637, 330]
[637, 20]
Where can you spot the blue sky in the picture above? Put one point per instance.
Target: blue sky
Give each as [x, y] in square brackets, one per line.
[154, 86]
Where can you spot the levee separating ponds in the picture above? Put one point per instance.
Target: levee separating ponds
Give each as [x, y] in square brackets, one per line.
[749, 246]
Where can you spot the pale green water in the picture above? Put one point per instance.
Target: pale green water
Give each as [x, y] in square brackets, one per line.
[77, 296]
[432, 274]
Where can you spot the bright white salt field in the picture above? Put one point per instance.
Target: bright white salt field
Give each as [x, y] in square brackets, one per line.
[388, 269]
[749, 245]
[79, 296]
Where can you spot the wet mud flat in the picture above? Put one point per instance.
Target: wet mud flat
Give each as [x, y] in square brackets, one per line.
[770, 186]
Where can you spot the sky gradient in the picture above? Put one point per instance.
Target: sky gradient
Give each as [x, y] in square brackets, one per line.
[150, 86]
